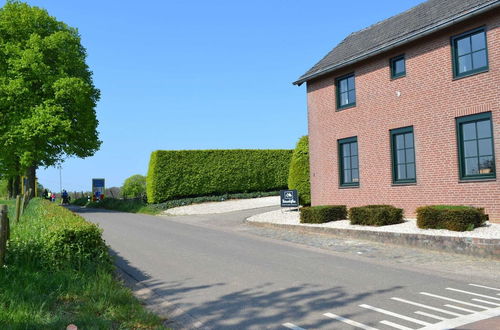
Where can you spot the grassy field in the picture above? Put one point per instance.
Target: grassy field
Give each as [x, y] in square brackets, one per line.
[59, 273]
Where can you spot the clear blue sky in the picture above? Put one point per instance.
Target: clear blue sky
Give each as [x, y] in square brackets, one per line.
[200, 74]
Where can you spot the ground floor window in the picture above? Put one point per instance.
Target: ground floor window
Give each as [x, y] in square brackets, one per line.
[348, 161]
[403, 155]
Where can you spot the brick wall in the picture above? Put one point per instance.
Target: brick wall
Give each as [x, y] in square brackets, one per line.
[430, 100]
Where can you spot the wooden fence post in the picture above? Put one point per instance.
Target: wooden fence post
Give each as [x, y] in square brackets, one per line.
[4, 233]
[22, 204]
[18, 208]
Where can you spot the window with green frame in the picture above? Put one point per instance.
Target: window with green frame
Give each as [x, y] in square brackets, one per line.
[475, 147]
[398, 66]
[348, 162]
[346, 92]
[403, 155]
[470, 54]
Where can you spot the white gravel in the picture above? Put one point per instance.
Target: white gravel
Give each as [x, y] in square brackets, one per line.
[223, 207]
[490, 230]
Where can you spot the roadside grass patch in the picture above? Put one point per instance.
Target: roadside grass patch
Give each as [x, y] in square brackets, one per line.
[58, 271]
[375, 215]
[451, 217]
[322, 214]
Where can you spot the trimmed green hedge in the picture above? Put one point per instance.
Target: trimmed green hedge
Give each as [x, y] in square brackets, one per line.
[451, 217]
[375, 215]
[187, 173]
[298, 177]
[322, 214]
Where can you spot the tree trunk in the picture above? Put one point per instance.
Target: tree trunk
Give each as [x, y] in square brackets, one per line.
[10, 187]
[31, 180]
[16, 186]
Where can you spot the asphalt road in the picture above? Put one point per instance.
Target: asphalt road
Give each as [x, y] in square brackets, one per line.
[212, 269]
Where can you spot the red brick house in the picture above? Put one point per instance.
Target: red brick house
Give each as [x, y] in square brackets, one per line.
[407, 111]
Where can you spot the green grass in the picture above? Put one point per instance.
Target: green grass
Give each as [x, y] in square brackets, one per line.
[138, 206]
[45, 294]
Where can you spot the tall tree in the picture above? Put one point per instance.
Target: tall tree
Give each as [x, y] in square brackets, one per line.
[47, 96]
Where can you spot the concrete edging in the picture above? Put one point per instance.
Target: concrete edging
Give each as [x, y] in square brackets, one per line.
[478, 247]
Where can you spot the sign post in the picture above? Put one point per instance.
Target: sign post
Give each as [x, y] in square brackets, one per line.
[289, 198]
[98, 188]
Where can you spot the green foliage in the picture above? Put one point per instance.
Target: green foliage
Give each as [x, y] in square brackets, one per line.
[187, 173]
[47, 95]
[298, 178]
[134, 187]
[82, 201]
[375, 215]
[451, 217]
[3, 188]
[322, 214]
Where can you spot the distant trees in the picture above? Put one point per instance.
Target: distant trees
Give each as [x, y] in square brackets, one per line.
[47, 96]
[134, 187]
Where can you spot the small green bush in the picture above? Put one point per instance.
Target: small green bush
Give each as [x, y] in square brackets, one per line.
[191, 173]
[322, 214]
[375, 215]
[298, 177]
[81, 201]
[451, 217]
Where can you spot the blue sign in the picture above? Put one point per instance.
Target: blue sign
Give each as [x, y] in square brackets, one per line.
[98, 183]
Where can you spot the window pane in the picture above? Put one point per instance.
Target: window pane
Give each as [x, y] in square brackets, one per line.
[347, 176]
[410, 171]
[485, 147]
[463, 46]
[354, 148]
[479, 59]
[464, 63]
[470, 148]
[355, 176]
[400, 141]
[350, 83]
[484, 129]
[401, 156]
[354, 162]
[352, 96]
[347, 163]
[410, 155]
[343, 85]
[401, 172]
[469, 131]
[409, 140]
[471, 166]
[346, 150]
[343, 99]
[478, 41]
[399, 66]
[486, 165]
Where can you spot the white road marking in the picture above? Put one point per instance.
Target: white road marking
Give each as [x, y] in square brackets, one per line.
[461, 309]
[474, 294]
[463, 320]
[292, 326]
[454, 300]
[383, 311]
[485, 287]
[350, 322]
[395, 325]
[486, 302]
[425, 306]
[432, 316]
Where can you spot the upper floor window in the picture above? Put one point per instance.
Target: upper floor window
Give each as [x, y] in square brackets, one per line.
[398, 66]
[475, 146]
[403, 155]
[346, 92]
[348, 162]
[470, 54]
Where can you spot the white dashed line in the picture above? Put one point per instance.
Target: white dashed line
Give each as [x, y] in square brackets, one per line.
[463, 320]
[383, 311]
[485, 287]
[474, 294]
[486, 302]
[292, 326]
[454, 300]
[432, 316]
[461, 309]
[350, 322]
[395, 325]
[425, 306]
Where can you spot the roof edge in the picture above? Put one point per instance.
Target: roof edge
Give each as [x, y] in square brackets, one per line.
[388, 46]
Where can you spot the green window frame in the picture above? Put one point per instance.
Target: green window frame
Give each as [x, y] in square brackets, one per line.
[476, 150]
[346, 91]
[403, 155]
[348, 162]
[398, 66]
[469, 53]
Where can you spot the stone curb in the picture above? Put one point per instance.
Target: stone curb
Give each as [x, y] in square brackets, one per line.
[477, 247]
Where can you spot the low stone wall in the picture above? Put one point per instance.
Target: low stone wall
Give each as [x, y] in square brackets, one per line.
[478, 247]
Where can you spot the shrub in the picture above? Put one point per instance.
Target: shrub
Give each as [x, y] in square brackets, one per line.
[322, 214]
[451, 217]
[375, 215]
[81, 201]
[134, 187]
[298, 177]
[190, 173]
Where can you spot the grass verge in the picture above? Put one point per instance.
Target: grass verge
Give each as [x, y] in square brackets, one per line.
[50, 282]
